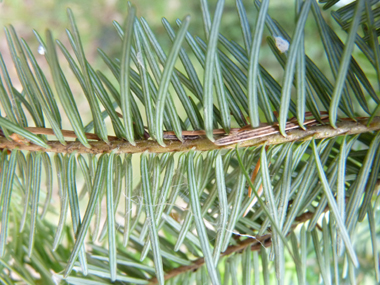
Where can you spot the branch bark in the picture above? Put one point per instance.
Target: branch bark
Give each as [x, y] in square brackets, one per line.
[201, 143]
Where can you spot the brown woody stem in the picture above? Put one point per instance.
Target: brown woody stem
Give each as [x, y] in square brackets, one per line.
[199, 144]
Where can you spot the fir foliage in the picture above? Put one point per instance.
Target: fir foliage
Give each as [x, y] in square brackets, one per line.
[161, 202]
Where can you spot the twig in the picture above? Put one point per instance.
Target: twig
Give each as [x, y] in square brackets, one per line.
[201, 143]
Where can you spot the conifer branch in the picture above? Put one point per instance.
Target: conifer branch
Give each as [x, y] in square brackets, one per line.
[200, 143]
